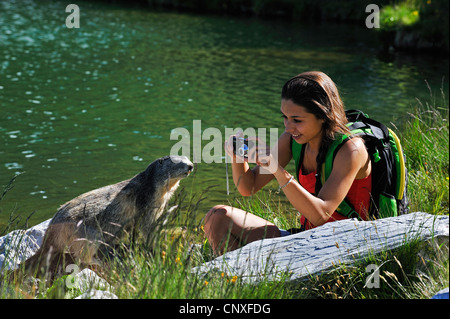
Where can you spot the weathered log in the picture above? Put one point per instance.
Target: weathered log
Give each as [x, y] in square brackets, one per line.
[324, 248]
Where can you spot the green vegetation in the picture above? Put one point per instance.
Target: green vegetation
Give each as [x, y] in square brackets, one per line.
[416, 23]
[425, 138]
[163, 269]
[399, 16]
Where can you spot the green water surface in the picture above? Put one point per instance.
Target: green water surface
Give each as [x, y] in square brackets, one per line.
[83, 108]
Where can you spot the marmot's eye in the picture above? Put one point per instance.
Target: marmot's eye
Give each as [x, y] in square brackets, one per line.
[160, 161]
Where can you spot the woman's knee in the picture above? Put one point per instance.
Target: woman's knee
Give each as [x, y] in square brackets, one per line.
[215, 216]
[217, 211]
[221, 209]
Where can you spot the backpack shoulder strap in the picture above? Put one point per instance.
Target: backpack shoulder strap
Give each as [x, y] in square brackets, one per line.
[297, 153]
[400, 165]
[345, 208]
[335, 146]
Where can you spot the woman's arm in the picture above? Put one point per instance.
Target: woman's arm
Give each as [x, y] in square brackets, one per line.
[249, 181]
[351, 162]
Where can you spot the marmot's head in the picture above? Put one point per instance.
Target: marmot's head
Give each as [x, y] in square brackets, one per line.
[161, 176]
[168, 170]
[175, 167]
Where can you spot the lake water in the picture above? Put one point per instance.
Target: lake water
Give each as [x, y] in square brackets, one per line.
[83, 108]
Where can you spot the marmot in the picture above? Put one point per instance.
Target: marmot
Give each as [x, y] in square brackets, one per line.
[94, 221]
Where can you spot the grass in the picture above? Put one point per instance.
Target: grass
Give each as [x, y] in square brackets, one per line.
[164, 268]
[425, 139]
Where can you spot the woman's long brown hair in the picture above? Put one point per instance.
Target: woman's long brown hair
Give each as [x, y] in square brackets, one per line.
[317, 93]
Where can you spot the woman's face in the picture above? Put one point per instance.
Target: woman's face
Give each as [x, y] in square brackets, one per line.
[303, 126]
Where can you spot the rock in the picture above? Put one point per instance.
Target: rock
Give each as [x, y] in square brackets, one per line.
[20, 244]
[321, 249]
[88, 279]
[91, 285]
[97, 294]
[409, 39]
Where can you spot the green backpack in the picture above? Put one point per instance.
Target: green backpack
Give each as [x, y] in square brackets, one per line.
[389, 175]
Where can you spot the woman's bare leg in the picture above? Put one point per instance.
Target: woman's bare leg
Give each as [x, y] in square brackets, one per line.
[229, 228]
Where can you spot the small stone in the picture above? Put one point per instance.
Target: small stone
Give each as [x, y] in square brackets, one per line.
[97, 294]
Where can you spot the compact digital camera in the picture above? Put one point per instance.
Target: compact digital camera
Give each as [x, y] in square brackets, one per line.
[241, 146]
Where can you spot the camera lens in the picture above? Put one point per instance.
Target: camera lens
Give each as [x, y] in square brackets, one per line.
[243, 150]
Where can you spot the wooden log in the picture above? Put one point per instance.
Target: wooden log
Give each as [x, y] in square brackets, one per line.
[324, 248]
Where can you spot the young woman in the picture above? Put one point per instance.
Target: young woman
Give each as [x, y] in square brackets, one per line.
[313, 114]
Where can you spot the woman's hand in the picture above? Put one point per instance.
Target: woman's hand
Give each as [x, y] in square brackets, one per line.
[258, 153]
[236, 158]
[267, 160]
[229, 148]
[250, 180]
